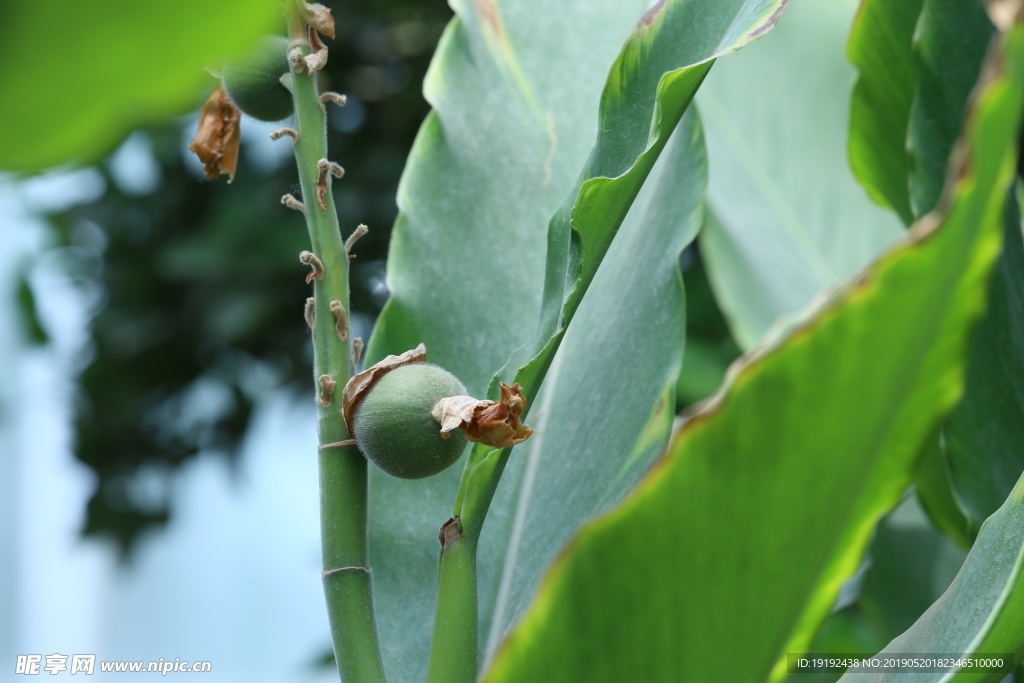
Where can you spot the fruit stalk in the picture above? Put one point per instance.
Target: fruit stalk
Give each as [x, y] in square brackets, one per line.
[453, 646]
[343, 470]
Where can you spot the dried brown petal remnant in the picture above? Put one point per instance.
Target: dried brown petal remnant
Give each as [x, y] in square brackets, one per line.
[216, 141]
[318, 17]
[361, 383]
[495, 423]
[317, 57]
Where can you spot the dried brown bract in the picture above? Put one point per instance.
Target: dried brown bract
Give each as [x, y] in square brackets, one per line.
[495, 423]
[361, 383]
[216, 141]
[317, 17]
[317, 58]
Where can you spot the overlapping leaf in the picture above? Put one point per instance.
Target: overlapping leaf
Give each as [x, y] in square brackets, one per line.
[981, 612]
[950, 44]
[731, 551]
[789, 218]
[600, 421]
[649, 87]
[880, 46]
[984, 437]
[78, 75]
[980, 457]
[491, 163]
[466, 265]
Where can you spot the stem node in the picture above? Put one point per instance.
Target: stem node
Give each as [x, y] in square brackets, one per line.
[313, 262]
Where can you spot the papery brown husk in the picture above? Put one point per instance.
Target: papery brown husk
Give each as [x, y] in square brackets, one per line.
[216, 141]
[495, 423]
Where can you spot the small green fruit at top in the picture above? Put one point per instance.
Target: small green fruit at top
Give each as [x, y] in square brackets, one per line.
[254, 82]
[394, 428]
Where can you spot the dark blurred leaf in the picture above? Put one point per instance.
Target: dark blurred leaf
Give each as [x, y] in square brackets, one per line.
[981, 456]
[880, 48]
[78, 75]
[710, 347]
[908, 566]
[34, 330]
[911, 564]
[935, 491]
[201, 289]
[951, 40]
[984, 437]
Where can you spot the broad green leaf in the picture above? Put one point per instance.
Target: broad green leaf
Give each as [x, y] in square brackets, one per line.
[951, 39]
[789, 218]
[492, 162]
[600, 421]
[984, 437]
[880, 49]
[982, 611]
[649, 87]
[468, 252]
[980, 458]
[731, 551]
[78, 75]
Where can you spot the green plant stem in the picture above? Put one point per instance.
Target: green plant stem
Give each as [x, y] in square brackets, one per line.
[453, 647]
[343, 469]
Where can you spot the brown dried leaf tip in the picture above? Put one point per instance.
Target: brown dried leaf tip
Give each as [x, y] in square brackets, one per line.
[216, 141]
[317, 17]
[361, 383]
[317, 58]
[495, 423]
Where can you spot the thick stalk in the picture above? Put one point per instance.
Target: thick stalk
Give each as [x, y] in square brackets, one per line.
[453, 647]
[343, 470]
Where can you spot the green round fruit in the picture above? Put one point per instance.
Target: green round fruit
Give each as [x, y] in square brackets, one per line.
[254, 82]
[394, 428]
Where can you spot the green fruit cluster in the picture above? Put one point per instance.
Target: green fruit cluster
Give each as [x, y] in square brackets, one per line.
[254, 82]
[394, 428]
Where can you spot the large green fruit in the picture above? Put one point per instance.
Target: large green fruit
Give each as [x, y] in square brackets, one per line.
[254, 82]
[394, 428]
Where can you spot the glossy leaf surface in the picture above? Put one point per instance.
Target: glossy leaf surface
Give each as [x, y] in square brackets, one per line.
[789, 218]
[766, 498]
[607, 405]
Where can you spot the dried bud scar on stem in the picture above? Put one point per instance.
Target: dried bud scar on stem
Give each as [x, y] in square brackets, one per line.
[252, 85]
[412, 419]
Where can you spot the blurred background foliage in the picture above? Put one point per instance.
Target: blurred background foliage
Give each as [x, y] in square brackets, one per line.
[198, 290]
